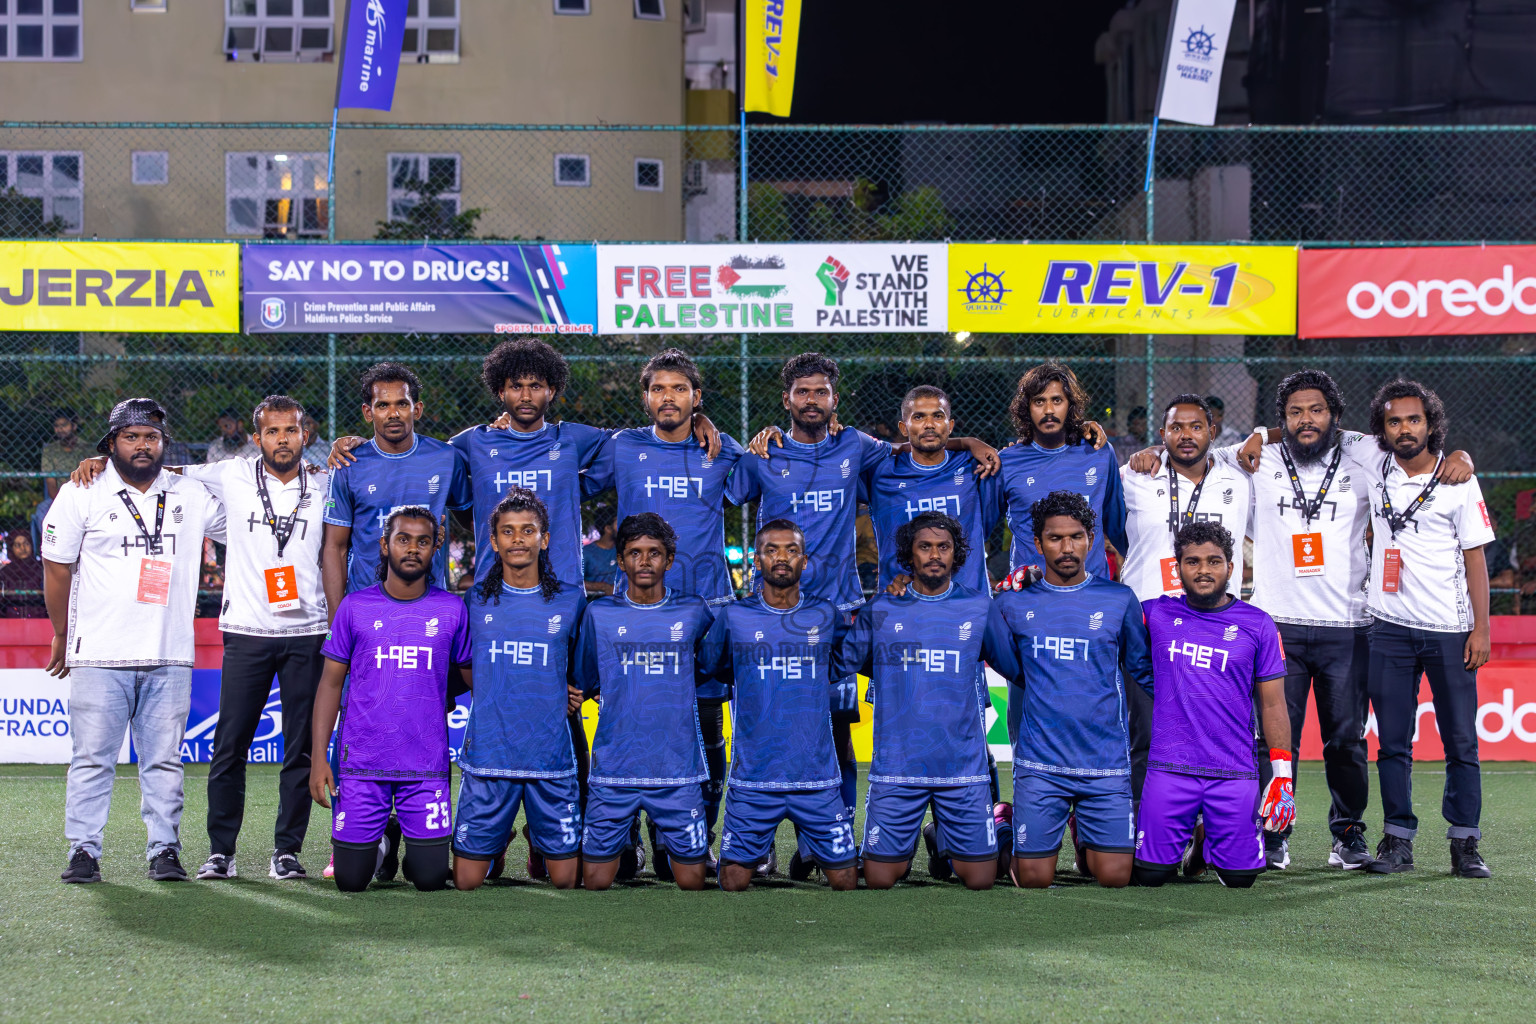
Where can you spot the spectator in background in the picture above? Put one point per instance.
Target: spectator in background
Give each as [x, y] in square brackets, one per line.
[1135, 437]
[232, 442]
[21, 578]
[1221, 435]
[63, 453]
[1503, 560]
[317, 450]
[600, 559]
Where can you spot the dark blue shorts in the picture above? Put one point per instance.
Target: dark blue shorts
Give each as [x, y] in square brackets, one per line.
[678, 812]
[752, 817]
[893, 821]
[488, 806]
[1042, 801]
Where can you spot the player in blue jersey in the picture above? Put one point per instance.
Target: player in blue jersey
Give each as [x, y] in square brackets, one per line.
[1077, 638]
[920, 651]
[517, 748]
[640, 651]
[777, 647]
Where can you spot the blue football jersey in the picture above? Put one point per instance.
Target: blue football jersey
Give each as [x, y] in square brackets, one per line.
[898, 489]
[644, 661]
[780, 661]
[679, 482]
[921, 655]
[433, 473]
[1075, 649]
[524, 658]
[816, 487]
[547, 462]
[1030, 472]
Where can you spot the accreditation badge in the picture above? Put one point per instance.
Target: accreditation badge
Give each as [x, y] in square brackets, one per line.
[1391, 570]
[1171, 580]
[282, 588]
[154, 581]
[1307, 553]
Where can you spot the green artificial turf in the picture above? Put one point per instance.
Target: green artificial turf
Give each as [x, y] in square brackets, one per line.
[1311, 944]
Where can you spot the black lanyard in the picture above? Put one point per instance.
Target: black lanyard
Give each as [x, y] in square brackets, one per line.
[153, 542]
[1173, 498]
[1396, 523]
[1309, 510]
[282, 529]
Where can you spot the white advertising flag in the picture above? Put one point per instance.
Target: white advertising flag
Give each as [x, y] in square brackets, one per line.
[1198, 35]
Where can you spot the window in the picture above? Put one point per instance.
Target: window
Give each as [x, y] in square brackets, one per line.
[40, 30]
[408, 172]
[275, 195]
[651, 10]
[278, 30]
[431, 32]
[147, 5]
[52, 177]
[693, 16]
[573, 169]
[573, 6]
[647, 174]
[151, 167]
[695, 178]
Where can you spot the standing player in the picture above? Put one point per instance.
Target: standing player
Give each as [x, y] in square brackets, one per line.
[1077, 637]
[393, 644]
[777, 648]
[640, 651]
[1212, 653]
[517, 750]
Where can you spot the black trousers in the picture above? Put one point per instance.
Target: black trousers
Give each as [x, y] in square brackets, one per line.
[250, 662]
[1399, 656]
[1139, 726]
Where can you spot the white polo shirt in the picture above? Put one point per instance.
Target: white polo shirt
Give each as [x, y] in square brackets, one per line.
[1224, 499]
[1432, 576]
[252, 547]
[92, 530]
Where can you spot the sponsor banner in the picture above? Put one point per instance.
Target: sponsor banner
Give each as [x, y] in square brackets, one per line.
[1382, 293]
[120, 286]
[1197, 46]
[767, 289]
[370, 54]
[1122, 289]
[772, 44]
[428, 289]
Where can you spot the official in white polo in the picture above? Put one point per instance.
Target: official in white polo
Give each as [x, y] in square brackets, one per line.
[120, 571]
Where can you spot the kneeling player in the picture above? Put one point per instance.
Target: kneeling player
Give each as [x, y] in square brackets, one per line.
[397, 640]
[920, 651]
[1211, 652]
[640, 650]
[776, 648]
[517, 747]
[1077, 637]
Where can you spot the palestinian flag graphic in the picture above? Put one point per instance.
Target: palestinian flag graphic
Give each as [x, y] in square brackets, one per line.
[745, 277]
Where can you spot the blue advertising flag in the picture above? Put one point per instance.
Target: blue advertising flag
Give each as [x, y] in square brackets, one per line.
[370, 55]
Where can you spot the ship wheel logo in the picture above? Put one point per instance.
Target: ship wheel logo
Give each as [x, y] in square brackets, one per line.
[984, 287]
[1199, 42]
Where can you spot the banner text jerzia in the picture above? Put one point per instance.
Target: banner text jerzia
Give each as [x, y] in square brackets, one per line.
[1122, 289]
[172, 288]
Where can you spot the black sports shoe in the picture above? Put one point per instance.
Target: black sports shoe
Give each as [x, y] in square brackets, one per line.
[217, 867]
[390, 865]
[631, 859]
[1394, 855]
[800, 869]
[1466, 862]
[939, 867]
[769, 867]
[285, 866]
[663, 864]
[1349, 850]
[82, 868]
[1194, 860]
[166, 867]
[1277, 851]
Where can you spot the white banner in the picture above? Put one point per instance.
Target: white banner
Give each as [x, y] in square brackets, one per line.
[1198, 36]
[822, 287]
[34, 718]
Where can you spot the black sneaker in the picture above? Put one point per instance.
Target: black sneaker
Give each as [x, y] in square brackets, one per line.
[769, 867]
[662, 864]
[166, 867]
[1194, 858]
[1277, 851]
[1394, 855]
[800, 869]
[218, 866]
[390, 865]
[1466, 862]
[285, 867]
[631, 860]
[1349, 850]
[939, 867]
[82, 868]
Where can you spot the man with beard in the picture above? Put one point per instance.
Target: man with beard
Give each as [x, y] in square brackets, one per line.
[120, 573]
[393, 645]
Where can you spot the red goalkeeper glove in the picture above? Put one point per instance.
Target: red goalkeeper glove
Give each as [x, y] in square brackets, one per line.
[1022, 578]
[1279, 808]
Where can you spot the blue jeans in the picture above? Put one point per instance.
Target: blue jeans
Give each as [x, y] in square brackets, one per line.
[104, 703]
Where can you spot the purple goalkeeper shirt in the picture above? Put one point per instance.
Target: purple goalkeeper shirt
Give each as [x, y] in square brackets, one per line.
[394, 724]
[1205, 666]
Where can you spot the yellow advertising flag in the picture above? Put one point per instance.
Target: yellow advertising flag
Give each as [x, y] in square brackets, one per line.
[772, 39]
[1122, 289]
[129, 286]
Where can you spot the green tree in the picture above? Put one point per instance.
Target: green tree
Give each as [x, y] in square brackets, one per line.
[430, 217]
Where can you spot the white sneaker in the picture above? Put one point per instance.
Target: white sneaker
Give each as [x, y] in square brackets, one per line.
[217, 867]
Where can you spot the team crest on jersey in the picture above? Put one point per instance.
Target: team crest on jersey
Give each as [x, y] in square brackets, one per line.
[845, 468]
[431, 627]
[872, 836]
[1092, 475]
[554, 452]
[1344, 485]
[433, 483]
[706, 462]
[177, 516]
[677, 631]
[554, 624]
[813, 635]
[378, 624]
[965, 630]
[1095, 620]
[341, 820]
[1226, 496]
[959, 479]
[1230, 633]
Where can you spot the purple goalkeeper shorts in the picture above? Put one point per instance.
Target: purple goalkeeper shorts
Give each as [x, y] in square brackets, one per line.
[361, 810]
[1170, 803]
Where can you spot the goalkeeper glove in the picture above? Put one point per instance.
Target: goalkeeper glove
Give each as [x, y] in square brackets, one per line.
[1279, 808]
[1022, 578]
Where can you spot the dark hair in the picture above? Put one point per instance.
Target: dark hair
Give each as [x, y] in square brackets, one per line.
[275, 403]
[1215, 402]
[411, 512]
[777, 524]
[672, 360]
[388, 373]
[1184, 399]
[229, 413]
[646, 524]
[1033, 383]
[809, 364]
[1063, 503]
[604, 516]
[65, 413]
[1204, 532]
[1309, 380]
[923, 391]
[907, 533]
[519, 499]
[525, 357]
[1434, 411]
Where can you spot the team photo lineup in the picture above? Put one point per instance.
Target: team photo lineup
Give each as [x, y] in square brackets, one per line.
[1154, 714]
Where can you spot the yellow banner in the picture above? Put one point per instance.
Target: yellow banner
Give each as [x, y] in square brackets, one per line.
[772, 39]
[1122, 289]
[128, 286]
